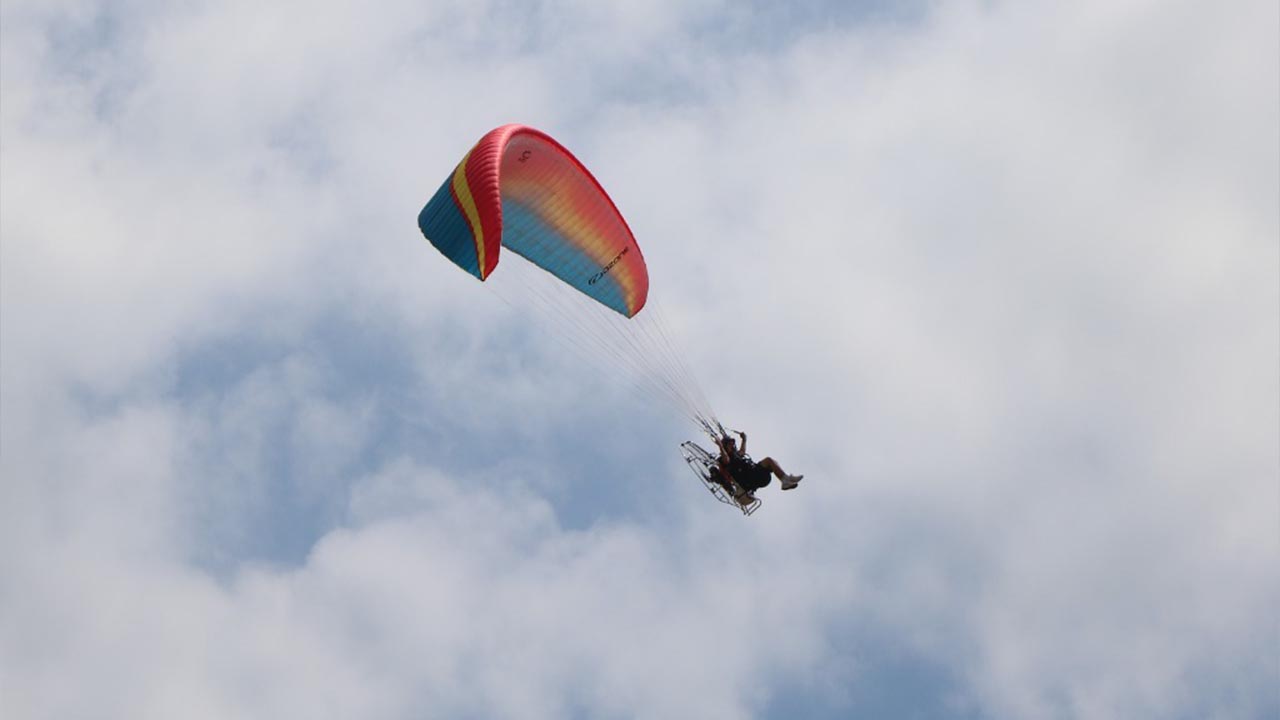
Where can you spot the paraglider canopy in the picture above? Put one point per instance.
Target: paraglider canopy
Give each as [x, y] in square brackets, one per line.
[586, 280]
[520, 189]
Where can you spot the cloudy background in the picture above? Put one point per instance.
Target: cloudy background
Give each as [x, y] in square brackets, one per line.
[1003, 280]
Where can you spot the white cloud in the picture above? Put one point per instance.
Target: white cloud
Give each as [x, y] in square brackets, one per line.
[1002, 282]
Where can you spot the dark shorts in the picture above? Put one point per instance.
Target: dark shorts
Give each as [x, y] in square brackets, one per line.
[750, 475]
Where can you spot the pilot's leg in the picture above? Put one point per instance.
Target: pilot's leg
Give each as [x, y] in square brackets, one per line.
[788, 481]
[772, 466]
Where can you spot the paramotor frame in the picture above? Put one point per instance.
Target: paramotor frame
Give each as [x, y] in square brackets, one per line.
[703, 465]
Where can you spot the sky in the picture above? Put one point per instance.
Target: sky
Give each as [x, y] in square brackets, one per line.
[1001, 279]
